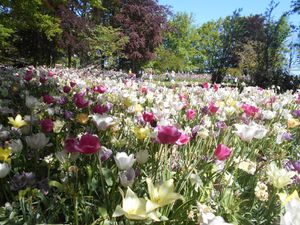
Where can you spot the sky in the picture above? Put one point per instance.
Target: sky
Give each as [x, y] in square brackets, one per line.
[205, 10]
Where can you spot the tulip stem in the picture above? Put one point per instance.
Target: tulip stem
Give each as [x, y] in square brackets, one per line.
[102, 183]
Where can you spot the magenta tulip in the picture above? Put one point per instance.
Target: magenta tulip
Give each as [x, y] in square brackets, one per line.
[168, 134]
[222, 152]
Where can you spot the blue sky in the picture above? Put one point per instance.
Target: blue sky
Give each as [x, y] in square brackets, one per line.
[205, 10]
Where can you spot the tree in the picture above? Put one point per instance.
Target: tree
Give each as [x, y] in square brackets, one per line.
[106, 44]
[143, 21]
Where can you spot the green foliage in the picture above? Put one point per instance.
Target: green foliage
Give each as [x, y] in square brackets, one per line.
[106, 42]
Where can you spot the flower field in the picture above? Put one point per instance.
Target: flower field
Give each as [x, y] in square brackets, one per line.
[81, 147]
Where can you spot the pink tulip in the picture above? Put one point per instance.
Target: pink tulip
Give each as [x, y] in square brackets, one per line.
[184, 139]
[206, 85]
[28, 75]
[51, 73]
[88, 144]
[213, 108]
[249, 109]
[100, 89]
[222, 152]
[43, 79]
[47, 125]
[168, 134]
[144, 90]
[72, 84]
[216, 87]
[190, 114]
[148, 117]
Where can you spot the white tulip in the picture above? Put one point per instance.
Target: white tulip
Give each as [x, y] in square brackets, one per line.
[124, 161]
[37, 141]
[16, 146]
[142, 156]
[102, 122]
[4, 170]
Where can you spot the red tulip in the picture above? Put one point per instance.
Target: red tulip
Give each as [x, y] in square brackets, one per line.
[70, 145]
[222, 152]
[249, 109]
[48, 99]
[66, 89]
[88, 144]
[47, 125]
[148, 117]
[80, 101]
[213, 108]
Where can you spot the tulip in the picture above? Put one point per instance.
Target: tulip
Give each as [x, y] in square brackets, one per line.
[133, 208]
[250, 110]
[148, 117]
[123, 161]
[222, 152]
[82, 118]
[47, 125]
[183, 139]
[168, 134]
[104, 153]
[161, 195]
[16, 145]
[4, 170]
[213, 108]
[101, 109]
[190, 114]
[88, 144]
[5, 154]
[80, 101]
[142, 156]
[66, 89]
[17, 122]
[48, 99]
[127, 177]
[100, 89]
[292, 209]
[70, 145]
[51, 73]
[102, 122]
[37, 141]
[31, 102]
[292, 123]
[141, 133]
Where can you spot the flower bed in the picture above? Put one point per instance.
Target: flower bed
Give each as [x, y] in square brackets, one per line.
[82, 147]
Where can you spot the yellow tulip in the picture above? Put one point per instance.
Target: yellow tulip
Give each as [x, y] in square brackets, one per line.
[133, 208]
[293, 123]
[17, 122]
[82, 118]
[141, 133]
[4, 154]
[161, 195]
[138, 108]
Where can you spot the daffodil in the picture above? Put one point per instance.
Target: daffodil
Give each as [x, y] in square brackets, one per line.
[17, 122]
[133, 208]
[161, 195]
[4, 154]
[285, 198]
[279, 177]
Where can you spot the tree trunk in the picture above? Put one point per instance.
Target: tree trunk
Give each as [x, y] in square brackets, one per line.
[69, 57]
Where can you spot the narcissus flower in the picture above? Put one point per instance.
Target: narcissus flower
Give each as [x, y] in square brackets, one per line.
[17, 122]
[133, 208]
[222, 152]
[279, 177]
[161, 195]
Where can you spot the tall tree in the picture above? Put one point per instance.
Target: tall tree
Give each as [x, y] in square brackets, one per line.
[143, 21]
